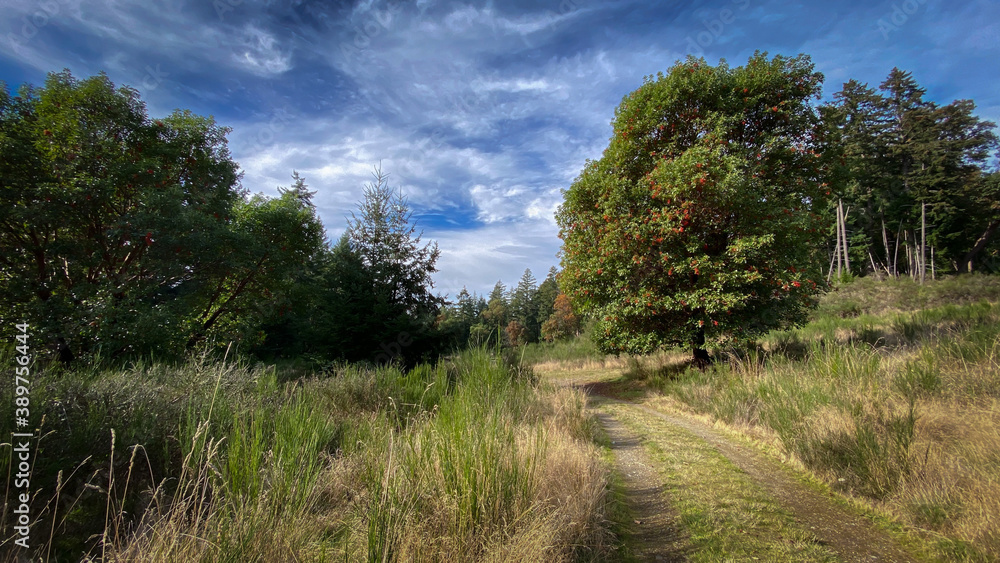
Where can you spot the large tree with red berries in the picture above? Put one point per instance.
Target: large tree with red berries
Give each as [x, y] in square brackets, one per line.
[701, 219]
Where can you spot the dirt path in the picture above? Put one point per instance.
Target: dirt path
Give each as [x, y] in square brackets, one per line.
[851, 537]
[656, 536]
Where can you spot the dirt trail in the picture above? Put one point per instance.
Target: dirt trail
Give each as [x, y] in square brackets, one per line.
[656, 535]
[853, 538]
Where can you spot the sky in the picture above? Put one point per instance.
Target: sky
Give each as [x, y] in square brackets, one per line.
[482, 113]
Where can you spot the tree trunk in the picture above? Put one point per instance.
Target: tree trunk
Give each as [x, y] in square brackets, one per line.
[889, 266]
[65, 354]
[966, 265]
[700, 359]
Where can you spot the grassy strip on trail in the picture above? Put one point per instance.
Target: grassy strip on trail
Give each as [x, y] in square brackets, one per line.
[891, 395]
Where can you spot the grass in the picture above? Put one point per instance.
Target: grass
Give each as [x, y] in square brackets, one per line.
[891, 395]
[469, 459]
[579, 350]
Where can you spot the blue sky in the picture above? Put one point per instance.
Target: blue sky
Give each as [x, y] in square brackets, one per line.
[482, 113]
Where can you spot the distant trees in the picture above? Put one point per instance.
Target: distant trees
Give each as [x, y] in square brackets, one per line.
[511, 317]
[702, 218]
[896, 153]
[563, 323]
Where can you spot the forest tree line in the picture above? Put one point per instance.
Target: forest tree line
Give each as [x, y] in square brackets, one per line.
[125, 236]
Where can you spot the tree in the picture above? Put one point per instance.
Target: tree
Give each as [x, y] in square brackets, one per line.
[563, 323]
[524, 307]
[497, 308]
[855, 145]
[901, 154]
[272, 240]
[270, 284]
[700, 220]
[517, 335]
[988, 189]
[299, 190]
[112, 224]
[545, 297]
[456, 322]
[400, 269]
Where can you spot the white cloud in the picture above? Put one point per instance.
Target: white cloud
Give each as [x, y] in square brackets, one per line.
[478, 258]
[258, 52]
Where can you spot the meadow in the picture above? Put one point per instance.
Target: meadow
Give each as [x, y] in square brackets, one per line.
[890, 395]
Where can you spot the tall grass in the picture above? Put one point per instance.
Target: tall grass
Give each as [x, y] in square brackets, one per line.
[464, 460]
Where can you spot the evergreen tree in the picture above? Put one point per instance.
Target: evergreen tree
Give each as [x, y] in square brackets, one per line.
[545, 297]
[399, 268]
[524, 306]
[899, 154]
[497, 312]
[299, 190]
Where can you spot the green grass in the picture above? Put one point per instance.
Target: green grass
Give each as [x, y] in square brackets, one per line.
[580, 348]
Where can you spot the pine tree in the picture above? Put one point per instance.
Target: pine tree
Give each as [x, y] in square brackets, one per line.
[389, 245]
[299, 190]
[545, 297]
[524, 307]
[399, 267]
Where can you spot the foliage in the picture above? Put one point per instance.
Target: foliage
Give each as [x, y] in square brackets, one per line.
[389, 247]
[399, 275]
[545, 297]
[894, 151]
[122, 235]
[563, 323]
[700, 220]
[516, 334]
[524, 306]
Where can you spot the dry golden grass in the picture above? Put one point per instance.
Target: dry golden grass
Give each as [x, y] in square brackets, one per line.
[955, 486]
